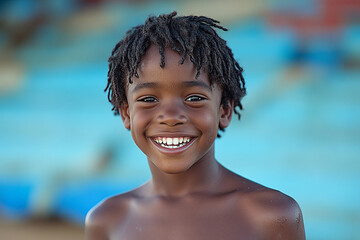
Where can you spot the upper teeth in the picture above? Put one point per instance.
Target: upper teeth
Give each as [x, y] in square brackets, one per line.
[172, 141]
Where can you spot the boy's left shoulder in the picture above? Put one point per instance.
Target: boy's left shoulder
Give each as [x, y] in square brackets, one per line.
[275, 214]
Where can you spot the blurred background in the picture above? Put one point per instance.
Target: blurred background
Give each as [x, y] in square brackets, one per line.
[62, 150]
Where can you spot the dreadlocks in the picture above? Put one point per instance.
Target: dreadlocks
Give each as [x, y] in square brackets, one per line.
[192, 36]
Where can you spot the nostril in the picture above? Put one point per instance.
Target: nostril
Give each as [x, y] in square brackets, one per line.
[171, 114]
[172, 120]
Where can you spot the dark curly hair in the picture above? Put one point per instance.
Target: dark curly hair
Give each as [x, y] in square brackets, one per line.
[188, 35]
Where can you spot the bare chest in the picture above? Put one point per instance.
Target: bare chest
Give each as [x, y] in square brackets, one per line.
[190, 220]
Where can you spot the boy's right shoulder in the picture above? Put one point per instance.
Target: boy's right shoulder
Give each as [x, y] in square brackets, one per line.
[106, 214]
[108, 208]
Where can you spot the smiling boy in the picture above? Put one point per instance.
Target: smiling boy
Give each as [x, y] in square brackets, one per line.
[175, 83]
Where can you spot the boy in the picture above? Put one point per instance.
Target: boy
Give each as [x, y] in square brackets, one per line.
[175, 82]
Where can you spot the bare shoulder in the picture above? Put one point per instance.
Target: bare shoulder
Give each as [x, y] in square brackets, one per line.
[274, 214]
[105, 215]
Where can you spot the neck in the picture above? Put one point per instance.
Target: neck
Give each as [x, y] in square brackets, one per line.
[202, 177]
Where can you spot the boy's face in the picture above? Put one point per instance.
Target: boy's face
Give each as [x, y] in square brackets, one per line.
[173, 117]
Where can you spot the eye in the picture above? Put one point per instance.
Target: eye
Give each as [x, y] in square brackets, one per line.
[194, 98]
[147, 99]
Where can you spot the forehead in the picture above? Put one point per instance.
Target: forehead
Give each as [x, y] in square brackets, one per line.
[174, 75]
[173, 78]
[152, 60]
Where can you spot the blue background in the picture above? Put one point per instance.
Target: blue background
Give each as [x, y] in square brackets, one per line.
[62, 150]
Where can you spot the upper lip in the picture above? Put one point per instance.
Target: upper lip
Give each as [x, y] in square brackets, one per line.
[172, 134]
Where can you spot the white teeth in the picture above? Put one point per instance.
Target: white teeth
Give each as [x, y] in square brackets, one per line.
[169, 142]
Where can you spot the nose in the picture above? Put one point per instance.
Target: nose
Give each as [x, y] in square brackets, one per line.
[172, 114]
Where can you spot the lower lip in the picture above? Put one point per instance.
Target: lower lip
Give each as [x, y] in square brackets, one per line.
[173, 150]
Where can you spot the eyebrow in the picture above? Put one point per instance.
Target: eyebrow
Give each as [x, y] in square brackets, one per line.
[144, 85]
[187, 84]
[197, 84]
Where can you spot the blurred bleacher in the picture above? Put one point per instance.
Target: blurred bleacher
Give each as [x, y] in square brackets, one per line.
[62, 150]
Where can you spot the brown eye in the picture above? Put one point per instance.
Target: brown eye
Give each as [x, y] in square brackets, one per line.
[147, 99]
[194, 98]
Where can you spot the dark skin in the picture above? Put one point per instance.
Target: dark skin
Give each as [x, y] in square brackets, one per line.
[190, 196]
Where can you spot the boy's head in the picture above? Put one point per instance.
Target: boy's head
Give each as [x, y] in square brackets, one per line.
[190, 36]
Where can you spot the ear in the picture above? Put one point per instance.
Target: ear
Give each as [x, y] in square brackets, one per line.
[226, 114]
[125, 114]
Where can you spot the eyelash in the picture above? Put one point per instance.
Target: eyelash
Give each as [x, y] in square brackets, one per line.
[149, 99]
[146, 99]
[198, 98]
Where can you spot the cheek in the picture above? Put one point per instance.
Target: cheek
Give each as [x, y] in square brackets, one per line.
[207, 120]
[139, 116]
[137, 122]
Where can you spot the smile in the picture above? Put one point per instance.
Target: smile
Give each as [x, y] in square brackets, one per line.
[172, 142]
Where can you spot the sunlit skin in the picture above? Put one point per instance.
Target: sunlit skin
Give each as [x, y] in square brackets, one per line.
[190, 195]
